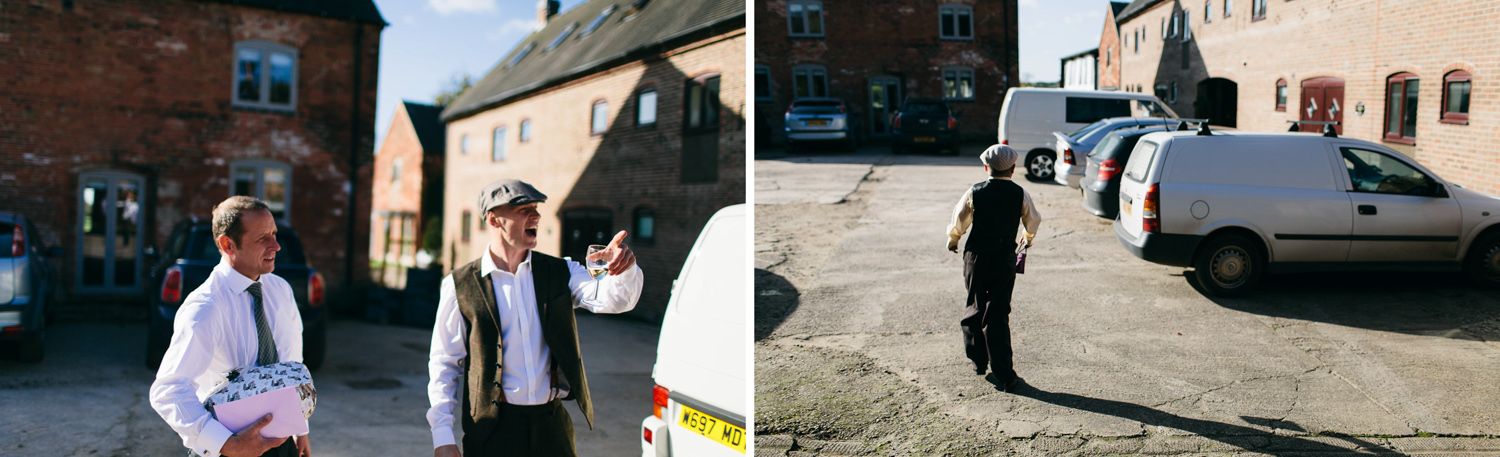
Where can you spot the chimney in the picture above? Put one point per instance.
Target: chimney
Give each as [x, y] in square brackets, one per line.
[545, 9]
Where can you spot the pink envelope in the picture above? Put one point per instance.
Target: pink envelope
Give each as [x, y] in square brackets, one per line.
[283, 404]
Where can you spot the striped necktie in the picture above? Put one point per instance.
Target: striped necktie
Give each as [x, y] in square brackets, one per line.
[266, 354]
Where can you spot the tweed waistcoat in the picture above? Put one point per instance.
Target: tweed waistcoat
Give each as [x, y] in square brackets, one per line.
[476, 301]
[997, 216]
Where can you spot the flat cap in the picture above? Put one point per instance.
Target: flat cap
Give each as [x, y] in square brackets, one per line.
[508, 192]
[999, 157]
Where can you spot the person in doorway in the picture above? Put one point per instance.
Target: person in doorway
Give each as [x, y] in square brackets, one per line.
[241, 316]
[505, 332]
[996, 209]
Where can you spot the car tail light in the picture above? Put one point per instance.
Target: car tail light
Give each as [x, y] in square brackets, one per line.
[1107, 169]
[171, 288]
[659, 399]
[952, 123]
[897, 124]
[1067, 157]
[315, 289]
[1150, 220]
[13, 331]
[18, 242]
[841, 108]
[646, 435]
[1005, 142]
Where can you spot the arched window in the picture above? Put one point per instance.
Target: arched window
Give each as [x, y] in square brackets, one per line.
[599, 120]
[525, 134]
[1457, 85]
[497, 145]
[1401, 108]
[810, 81]
[1281, 95]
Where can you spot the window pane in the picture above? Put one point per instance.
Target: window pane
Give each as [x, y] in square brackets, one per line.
[525, 134]
[815, 19]
[463, 144]
[645, 226]
[1458, 97]
[695, 105]
[497, 145]
[800, 82]
[244, 181]
[1393, 110]
[950, 84]
[396, 166]
[798, 19]
[275, 197]
[762, 84]
[1280, 95]
[819, 83]
[1410, 106]
[965, 25]
[711, 102]
[947, 22]
[281, 78]
[646, 108]
[601, 117]
[966, 84]
[247, 75]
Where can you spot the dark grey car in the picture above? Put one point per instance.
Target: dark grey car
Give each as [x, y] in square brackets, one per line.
[1101, 180]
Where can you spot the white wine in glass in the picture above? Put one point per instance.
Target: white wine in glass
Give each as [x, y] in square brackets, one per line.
[595, 261]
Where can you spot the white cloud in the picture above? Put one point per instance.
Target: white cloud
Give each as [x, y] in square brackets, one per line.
[511, 28]
[446, 7]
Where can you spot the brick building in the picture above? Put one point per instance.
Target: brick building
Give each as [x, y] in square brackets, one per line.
[874, 54]
[1420, 77]
[123, 117]
[628, 114]
[1109, 48]
[407, 193]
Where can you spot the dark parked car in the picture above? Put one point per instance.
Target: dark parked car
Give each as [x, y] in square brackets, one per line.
[189, 258]
[925, 123]
[1101, 180]
[820, 120]
[27, 282]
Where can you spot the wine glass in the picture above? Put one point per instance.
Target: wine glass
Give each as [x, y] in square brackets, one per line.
[596, 262]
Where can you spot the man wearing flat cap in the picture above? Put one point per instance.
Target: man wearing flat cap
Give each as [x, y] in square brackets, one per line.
[995, 209]
[505, 346]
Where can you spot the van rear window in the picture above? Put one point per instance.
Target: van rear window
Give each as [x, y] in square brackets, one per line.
[1083, 110]
[1140, 161]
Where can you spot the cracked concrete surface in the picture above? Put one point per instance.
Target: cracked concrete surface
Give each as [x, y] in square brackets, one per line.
[1119, 356]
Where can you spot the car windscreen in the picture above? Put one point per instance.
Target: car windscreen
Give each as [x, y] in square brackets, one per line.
[7, 236]
[815, 108]
[202, 248]
[1140, 161]
[1080, 133]
[924, 108]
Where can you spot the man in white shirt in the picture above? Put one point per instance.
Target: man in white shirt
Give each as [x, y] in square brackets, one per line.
[505, 332]
[997, 209]
[217, 329]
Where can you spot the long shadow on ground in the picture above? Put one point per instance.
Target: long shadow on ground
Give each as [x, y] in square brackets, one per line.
[775, 299]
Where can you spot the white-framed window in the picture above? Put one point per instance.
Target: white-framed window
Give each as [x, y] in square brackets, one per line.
[645, 107]
[1208, 11]
[958, 83]
[1187, 28]
[762, 83]
[1257, 10]
[265, 76]
[525, 131]
[599, 120]
[268, 180]
[463, 144]
[956, 22]
[497, 145]
[1165, 31]
[1228, 6]
[810, 81]
[805, 17]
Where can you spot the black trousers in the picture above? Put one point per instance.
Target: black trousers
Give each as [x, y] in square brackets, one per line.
[990, 279]
[542, 430]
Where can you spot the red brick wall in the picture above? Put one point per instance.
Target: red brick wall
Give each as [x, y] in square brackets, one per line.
[144, 87]
[623, 169]
[893, 38]
[1362, 42]
[1109, 53]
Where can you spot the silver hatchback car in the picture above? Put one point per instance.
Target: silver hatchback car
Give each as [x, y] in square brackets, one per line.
[814, 120]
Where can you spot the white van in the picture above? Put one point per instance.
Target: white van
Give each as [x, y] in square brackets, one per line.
[700, 400]
[1235, 205]
[1030, 115]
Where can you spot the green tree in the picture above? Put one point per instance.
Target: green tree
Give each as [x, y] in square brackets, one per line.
[455, 87]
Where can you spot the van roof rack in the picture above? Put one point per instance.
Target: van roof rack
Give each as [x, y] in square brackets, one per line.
[1328, 129]
[1182, 126]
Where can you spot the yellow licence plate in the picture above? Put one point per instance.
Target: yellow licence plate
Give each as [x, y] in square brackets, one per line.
[817, 122]
[712, 428]
[924, 139]
[1125, 206]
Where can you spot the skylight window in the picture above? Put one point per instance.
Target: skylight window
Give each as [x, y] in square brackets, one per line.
[521, 55]
[598, 20]
[562, 36]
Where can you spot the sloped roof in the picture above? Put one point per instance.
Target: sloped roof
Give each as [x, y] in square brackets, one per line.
[363, 11]
[1134, 8]
[430, 130]
[1117, 7]
[657, 22]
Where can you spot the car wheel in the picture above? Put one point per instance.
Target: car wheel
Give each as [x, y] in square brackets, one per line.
[315, 345]
[1228, 266]
[1483, 261]
[32, 350]
[1039, 165]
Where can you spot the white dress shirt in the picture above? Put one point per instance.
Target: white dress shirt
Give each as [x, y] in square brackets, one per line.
[526, 362]
[214, 332]
[963, 216]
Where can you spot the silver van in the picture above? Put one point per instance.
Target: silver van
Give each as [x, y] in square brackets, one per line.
[1235, 205]
[1030, 115]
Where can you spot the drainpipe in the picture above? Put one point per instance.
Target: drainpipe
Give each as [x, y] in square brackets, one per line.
[354, 152]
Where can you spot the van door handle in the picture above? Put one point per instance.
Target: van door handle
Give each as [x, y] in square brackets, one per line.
[1368, 210]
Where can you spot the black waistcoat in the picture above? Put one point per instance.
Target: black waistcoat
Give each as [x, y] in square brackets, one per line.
[997, 215]
[476, 301]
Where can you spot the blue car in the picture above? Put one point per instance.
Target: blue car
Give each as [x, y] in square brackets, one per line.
[189, 258]
[27, 282]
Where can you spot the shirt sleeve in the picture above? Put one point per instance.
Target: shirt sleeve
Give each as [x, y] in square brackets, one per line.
[963, 216]
[1031, 220]
[443, 370]
[616, 293]
[174, 393]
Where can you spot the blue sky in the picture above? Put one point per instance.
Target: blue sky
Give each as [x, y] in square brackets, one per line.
[429, 41]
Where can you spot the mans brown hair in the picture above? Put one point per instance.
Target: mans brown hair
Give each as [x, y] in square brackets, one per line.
[227, 215]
